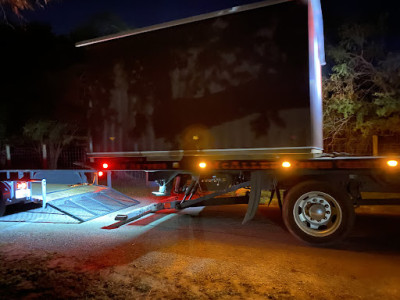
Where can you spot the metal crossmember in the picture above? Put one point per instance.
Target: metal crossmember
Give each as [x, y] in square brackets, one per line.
[189, 203]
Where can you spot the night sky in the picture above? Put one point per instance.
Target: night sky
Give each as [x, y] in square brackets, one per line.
[66, 15]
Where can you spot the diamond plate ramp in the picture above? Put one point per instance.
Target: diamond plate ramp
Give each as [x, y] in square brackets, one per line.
[88, 206]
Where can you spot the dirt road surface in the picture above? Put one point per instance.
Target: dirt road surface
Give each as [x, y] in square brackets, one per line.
[173, 255]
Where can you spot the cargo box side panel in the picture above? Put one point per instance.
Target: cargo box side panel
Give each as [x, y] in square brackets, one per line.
[233, 82]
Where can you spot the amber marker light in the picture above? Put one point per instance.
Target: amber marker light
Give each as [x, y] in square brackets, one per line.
[392, 163]
[286, 164]
[202, 165]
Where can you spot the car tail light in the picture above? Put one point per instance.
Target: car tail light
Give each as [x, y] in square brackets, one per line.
[22, 185]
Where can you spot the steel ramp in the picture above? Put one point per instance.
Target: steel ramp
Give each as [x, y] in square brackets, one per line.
[89, 206]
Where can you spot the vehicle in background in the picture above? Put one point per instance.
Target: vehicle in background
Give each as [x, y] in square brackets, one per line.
[14, 189]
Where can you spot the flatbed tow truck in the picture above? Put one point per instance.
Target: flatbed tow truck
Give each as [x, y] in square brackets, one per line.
[317, 196]
[224, 101]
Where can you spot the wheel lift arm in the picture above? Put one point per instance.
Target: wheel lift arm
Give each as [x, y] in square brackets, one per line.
[258, 182]
[140, 212]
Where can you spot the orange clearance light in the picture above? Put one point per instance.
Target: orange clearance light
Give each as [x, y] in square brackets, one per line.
[22, 185]
[286, 164]
[101, 173]
[105, 166]
[202, 165]
[392, 163]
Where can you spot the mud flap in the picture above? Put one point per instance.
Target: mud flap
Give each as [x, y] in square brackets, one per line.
[257, 182]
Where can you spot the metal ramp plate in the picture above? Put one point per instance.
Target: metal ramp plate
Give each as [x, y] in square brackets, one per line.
[35, 213]
[88, 206]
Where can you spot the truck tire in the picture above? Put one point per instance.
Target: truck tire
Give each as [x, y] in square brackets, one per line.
[318, 213]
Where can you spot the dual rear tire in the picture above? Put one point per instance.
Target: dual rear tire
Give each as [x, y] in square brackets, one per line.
[318, 213]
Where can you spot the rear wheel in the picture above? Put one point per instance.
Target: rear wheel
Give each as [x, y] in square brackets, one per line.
[318, 213]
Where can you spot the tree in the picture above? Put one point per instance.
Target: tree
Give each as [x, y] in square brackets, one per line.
[11, 8]
[362, 92]
[17, 6]
[37, 74]
[54, 134]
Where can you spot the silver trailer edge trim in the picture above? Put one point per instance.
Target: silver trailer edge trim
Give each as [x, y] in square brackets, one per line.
[246, 153]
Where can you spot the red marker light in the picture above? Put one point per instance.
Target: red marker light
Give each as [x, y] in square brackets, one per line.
[105, 166]
[101, 173]
[22, 185]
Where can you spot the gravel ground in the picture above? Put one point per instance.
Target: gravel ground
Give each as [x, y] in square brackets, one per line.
[210, 256]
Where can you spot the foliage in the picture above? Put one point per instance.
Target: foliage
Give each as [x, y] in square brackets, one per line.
[362, 93]
[12, 8]
[19, 5]
[54, 134]
[36, 77]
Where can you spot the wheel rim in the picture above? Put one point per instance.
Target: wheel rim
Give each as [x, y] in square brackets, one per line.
[317, 214]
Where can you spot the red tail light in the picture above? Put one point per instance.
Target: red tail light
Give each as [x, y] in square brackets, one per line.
[101, 173]
[105, 165]
[22, 185]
